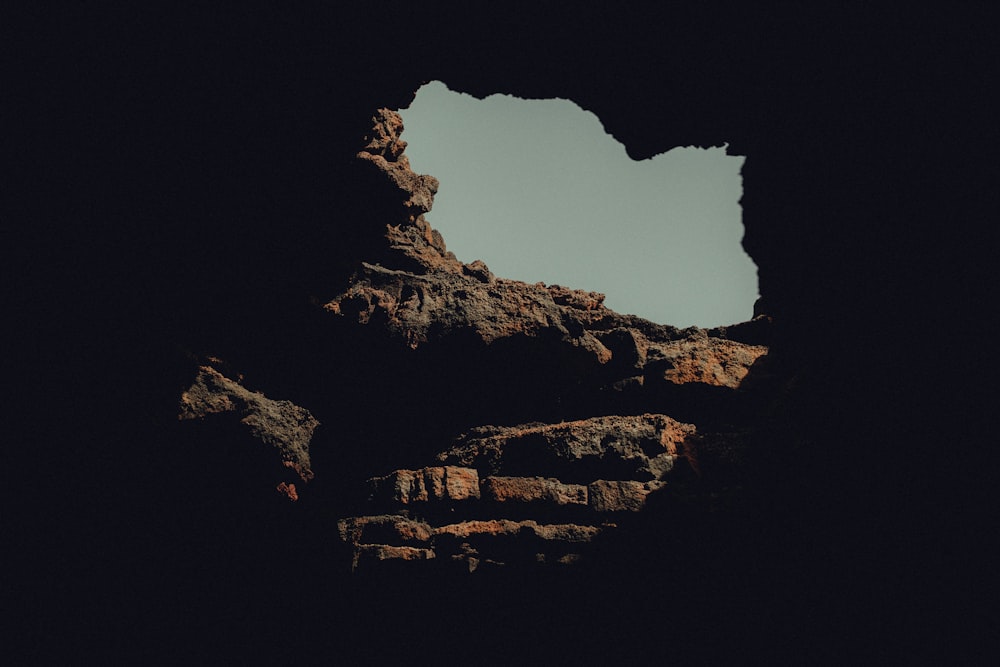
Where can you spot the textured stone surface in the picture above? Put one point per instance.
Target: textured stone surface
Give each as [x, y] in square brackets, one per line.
[505, 527]
[426, 484]
[496, 542]
[721, 363]
[420, 293]
[619, 495]
[379, 553]
[461, 483]
[409, 295]
[419, 308]
[533, 490]
[383, 529]
[641, 447]
[280, 425]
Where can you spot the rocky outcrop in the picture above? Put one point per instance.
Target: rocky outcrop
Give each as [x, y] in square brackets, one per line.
[417, 293]
[531, 494]
[528, 494]
[422, 308]
[282, 428]
[489, 508]
[495, 542]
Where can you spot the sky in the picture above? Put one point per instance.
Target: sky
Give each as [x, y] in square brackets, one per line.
[540, 192]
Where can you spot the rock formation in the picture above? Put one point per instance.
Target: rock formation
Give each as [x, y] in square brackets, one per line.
[509, 495]
[281, 426]
[514, 495]
[421, 293]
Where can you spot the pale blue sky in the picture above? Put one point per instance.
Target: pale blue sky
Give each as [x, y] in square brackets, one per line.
[540, 192]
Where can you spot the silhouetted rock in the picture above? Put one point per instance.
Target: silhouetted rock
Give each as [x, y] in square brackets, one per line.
[506, 485]
[418, 293]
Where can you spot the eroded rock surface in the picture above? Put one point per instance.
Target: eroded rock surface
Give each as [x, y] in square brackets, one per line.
[285, 429]
[439, 483]
[641, 447]
[491, 509]
[515, 491]
[420, 294]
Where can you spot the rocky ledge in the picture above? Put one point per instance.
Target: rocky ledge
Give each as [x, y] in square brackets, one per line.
[527, 494]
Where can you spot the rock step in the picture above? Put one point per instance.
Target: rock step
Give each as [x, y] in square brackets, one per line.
[456, 487]
[396, 530]
[406, 487]
[383, 538]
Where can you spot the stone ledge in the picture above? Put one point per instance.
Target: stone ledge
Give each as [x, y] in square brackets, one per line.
[384, 552]
[383, 529]
[426, 484]
[620, 495]
[533, 490]
[567, 532]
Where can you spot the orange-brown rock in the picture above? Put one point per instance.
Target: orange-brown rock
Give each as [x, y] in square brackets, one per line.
[533, 490]
[288, 490]
[385, 552]
[383, 529]
[705, 360]
[567, 532]
[426, 484]
[461, 483]
[494, 541]
[619, 495]
[506, 542]
[285, 428]
[384, 151]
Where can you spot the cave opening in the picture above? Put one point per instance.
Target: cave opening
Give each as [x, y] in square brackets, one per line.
[539, 191]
